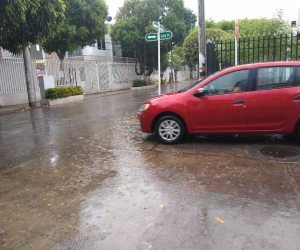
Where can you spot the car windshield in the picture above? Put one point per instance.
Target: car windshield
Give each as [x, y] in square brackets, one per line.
[190, 86]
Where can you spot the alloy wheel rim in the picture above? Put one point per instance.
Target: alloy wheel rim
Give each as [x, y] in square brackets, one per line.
[169, 130]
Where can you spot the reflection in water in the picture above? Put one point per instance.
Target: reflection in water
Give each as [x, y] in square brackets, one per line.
[117, 180]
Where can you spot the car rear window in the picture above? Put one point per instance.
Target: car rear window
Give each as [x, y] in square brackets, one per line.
[277, 77]
[297, 77]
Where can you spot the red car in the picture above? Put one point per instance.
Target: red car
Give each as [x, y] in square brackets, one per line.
[259, 98]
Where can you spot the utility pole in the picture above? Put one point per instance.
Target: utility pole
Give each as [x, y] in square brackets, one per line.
[158, 63]
[298, 24]
[28, 73]
[201, 36]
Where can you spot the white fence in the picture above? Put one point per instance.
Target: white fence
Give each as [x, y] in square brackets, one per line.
[94, 77]
[13, 84]
[181, 75]
[12, 76]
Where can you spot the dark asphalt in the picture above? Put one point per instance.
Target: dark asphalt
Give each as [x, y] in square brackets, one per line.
[82, 176]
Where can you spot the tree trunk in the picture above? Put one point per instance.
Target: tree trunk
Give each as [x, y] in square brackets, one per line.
[29, 85]
[149, 72]
[191, 71]
[61, 57]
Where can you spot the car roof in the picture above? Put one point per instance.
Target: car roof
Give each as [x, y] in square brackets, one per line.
[262, 65]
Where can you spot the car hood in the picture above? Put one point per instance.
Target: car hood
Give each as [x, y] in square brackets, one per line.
[162, 96]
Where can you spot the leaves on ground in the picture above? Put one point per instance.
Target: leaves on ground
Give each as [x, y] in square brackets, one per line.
[219, 219]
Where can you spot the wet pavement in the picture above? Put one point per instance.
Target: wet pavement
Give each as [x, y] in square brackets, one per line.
[82, 176]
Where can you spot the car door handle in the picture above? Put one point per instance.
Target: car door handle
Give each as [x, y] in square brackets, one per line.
[238, 101]
[297, 97]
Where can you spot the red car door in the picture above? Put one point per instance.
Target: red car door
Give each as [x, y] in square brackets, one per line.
[221, 109]
[219, 113]
[272, 106]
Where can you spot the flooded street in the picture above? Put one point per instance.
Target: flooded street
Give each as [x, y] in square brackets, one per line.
[82, 176]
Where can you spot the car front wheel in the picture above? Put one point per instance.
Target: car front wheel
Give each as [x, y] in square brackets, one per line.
[170, 130]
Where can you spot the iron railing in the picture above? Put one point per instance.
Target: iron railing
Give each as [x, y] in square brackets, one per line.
[265, 48]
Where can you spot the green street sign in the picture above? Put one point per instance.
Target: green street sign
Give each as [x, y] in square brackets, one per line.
[151, 37]
[163, 36]
[155, 26]
[166, 35]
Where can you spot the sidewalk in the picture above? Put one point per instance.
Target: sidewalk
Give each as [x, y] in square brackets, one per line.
[14, 108]
[23, 107]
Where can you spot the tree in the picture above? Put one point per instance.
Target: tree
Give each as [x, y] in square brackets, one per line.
[275, 25]
[191, 49]
[178, 57]
[134, 21]
[84, 23]
[210, 23]
[226, 25]
[215, 33]
[27, 21]
[191, 46]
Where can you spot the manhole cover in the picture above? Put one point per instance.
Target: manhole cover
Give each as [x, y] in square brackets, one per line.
[278, 152]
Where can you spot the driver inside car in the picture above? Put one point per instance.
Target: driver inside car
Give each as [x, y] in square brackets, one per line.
[240, 86]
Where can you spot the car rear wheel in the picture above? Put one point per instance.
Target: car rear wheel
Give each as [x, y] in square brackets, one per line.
[297, 132]
[170, 130]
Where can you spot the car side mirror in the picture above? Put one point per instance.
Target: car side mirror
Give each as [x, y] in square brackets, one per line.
[199, 92]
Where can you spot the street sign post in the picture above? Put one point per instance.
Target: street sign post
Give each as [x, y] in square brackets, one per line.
[163, 36]
[155, 26]
[236, 33]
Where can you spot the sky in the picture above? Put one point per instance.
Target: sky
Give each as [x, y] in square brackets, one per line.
[233, 9]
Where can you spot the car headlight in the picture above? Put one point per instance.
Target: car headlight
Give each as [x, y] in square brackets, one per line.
[144, 107]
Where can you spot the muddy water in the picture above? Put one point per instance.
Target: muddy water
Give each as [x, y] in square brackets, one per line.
[81, 176]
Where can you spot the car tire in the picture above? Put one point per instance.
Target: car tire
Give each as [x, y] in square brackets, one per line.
[297, 132]
[170, 130]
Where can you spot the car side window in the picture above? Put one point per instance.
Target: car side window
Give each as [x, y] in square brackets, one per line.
[276, 77]
[229, 83]
[297, 77]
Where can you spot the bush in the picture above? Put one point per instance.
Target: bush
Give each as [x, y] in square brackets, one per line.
[139, 83]
[61, 92]
[164, 81]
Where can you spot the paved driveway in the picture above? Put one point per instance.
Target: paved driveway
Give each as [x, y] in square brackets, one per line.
[81, 176]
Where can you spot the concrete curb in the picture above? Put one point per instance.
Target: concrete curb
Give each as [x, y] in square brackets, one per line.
[144, 87]
[14, 109]
[59, 101]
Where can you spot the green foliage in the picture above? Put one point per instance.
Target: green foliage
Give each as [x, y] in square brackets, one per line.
[62, 92]
[139, 83]
[178, 57]
[134, 21]
[27, 21]
[259, 41]
[215, 34]
[253, 27]
[226, 25]
[264, 26]
[191, 48]
[84, 22]
[210, 23]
